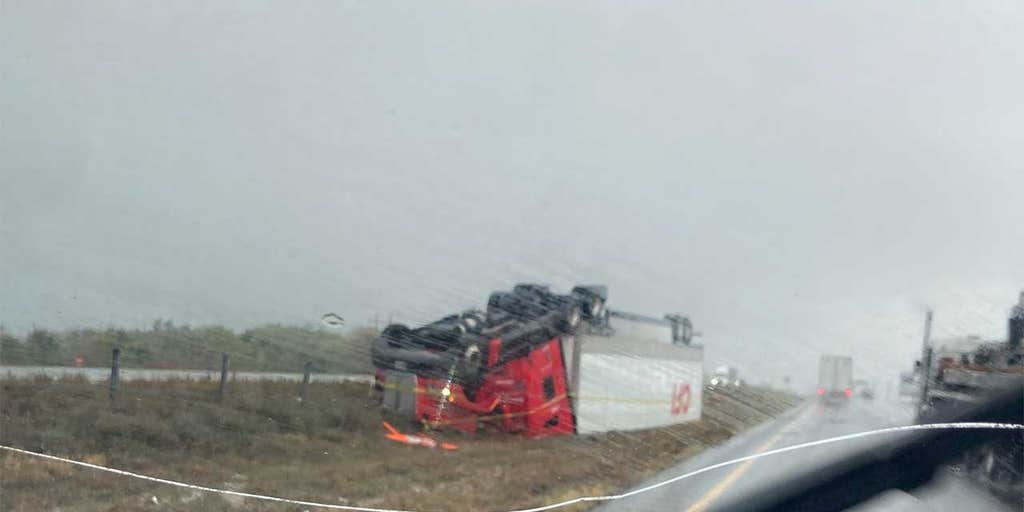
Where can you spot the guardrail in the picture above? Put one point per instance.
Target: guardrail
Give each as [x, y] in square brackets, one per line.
[100, 374]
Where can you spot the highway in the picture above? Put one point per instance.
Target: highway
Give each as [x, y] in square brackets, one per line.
[714, 489]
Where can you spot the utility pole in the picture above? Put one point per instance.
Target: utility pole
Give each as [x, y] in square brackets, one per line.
[926, 359]
[304, 388]
[223, 376]
[115, 372]
[927, 342]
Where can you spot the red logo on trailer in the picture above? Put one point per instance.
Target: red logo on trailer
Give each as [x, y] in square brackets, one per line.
[680, 398]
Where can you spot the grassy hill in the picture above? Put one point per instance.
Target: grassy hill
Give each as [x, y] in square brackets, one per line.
[264, 348]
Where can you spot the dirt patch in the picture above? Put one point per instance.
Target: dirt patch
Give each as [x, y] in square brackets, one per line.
[330, 449]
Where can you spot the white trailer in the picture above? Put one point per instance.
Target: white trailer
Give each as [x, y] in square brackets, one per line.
[635, 372]
[835, 379]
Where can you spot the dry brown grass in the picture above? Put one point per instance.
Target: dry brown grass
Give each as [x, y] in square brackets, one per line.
[331, 450]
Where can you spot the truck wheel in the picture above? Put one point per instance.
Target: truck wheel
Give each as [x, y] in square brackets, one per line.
[471, 370]
[472, 321]
[571, 317]
[686, 331]
[471, 361]
[495, 312]
[592, 303]
[396, 334]
[531, 290]
[595, 308]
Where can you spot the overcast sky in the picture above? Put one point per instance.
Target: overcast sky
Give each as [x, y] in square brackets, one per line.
[798, 177]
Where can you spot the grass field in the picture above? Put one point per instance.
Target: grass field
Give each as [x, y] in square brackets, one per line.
[331, 449]
[266, 348]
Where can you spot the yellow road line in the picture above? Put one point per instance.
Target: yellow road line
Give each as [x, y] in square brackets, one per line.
[715, 492]
[722, 486]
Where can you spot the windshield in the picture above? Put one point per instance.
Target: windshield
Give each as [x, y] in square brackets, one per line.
[428, 256]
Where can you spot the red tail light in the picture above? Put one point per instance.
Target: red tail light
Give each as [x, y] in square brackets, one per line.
[821, 391]
[848, 391]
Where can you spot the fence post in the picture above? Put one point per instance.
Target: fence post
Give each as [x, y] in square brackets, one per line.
[115, 373]
[304, 390]
[223, 376]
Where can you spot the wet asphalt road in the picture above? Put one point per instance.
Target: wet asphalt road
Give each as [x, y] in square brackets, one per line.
[717, 488]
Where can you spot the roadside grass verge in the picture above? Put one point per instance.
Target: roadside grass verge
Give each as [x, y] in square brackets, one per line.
[264, 348]
[331, 449]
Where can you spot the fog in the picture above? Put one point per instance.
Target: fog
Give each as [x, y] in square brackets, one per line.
[797, 177]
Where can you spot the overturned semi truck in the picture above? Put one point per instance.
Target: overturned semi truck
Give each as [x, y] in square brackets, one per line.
[541, 363]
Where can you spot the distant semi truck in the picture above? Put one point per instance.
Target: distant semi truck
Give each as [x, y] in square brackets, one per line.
[835, 381]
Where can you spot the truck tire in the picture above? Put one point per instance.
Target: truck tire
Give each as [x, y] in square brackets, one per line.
[471, 366]
[594, 308]
[396, 334]
[496, 313]
[686, 331]
[466, 368]
[592, 298]
[570, 317]
[532, 290]
[472, 321]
